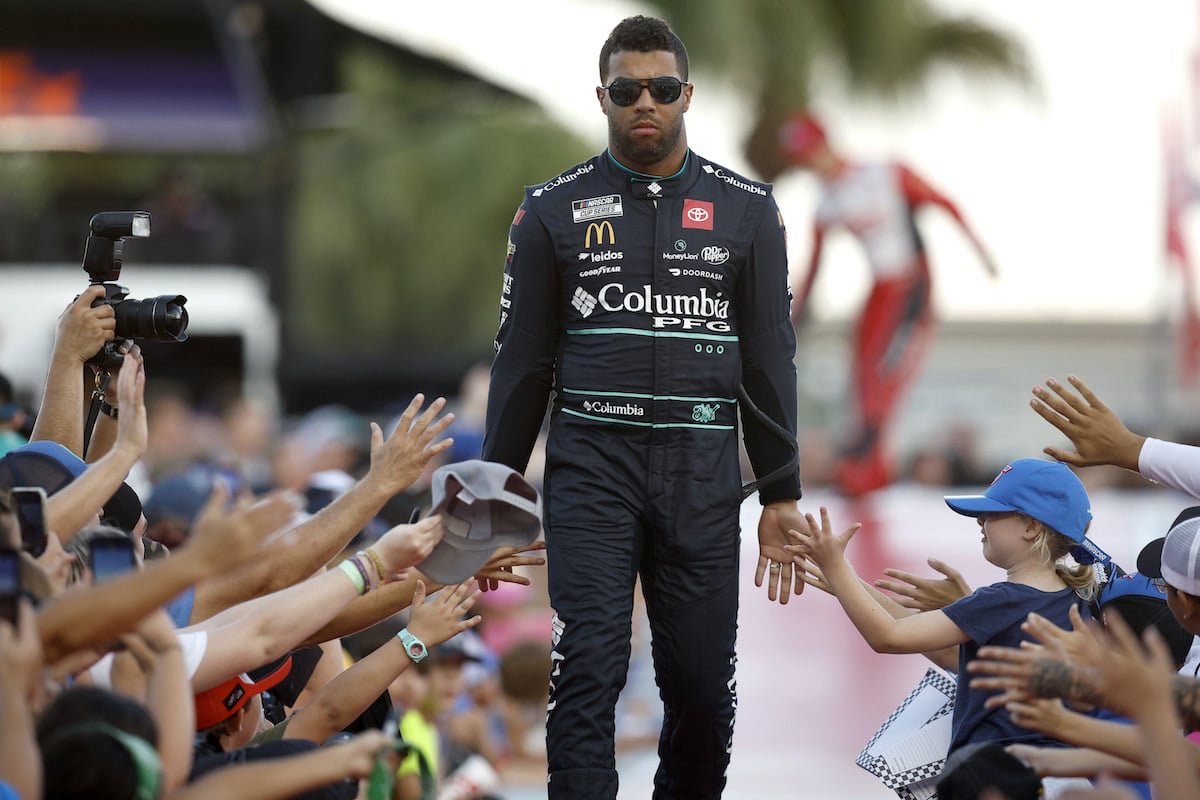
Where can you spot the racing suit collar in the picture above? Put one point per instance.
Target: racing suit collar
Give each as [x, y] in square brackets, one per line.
[643, 185]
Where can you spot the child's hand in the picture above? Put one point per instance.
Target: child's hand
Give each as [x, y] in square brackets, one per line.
[819, 544]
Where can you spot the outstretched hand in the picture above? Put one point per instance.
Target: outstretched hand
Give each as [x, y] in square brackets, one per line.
[224, 537]
[819, 543]
[926, 594]
[398, 461]
[408, 545]
[499, 568]
[1099, 435]
[439, 619]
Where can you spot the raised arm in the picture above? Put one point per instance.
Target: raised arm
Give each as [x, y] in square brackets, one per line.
[917, 633]
[396, 462]
[81, 332]
[365, 611]
[345, 697]
[154, 647]
[77, 503]
[1098, 435]
[918, 192]
[280, 621]
[946, 658]
[20, 669]
[266, 780]
[98, 615]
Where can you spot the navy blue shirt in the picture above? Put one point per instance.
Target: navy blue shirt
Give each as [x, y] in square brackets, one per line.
[992, 616]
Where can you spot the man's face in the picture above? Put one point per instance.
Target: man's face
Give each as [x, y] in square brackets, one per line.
[646, 133]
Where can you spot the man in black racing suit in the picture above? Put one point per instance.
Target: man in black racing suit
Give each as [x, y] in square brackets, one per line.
[643, 287]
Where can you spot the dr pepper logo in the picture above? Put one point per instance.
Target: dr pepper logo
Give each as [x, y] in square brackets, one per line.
[697, 214]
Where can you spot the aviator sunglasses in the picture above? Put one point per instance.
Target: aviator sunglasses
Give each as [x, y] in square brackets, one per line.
[626, 91]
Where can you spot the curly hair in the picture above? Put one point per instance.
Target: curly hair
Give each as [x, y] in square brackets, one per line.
[643, 35]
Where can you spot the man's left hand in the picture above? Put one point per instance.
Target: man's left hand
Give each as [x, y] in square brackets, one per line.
[774, 561]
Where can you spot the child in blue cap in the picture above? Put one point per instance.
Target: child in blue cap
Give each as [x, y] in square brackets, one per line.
[1033, 516]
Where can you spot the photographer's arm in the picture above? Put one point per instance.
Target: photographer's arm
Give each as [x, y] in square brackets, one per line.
[395, 463]
[81, 332]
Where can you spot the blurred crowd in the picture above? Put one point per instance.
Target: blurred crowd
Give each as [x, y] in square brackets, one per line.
[199, 592]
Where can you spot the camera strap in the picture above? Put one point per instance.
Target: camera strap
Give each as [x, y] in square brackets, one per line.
[102, 378]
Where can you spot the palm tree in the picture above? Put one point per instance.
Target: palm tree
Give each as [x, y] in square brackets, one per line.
[781, 50]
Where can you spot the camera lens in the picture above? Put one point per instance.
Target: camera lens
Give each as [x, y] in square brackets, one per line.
[161, 318]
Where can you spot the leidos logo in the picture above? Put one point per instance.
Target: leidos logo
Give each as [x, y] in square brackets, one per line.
[599, 228]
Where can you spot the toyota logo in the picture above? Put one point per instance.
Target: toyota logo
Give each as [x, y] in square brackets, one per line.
[697, 214]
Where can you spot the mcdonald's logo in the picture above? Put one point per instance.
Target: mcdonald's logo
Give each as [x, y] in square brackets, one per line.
[599, 228]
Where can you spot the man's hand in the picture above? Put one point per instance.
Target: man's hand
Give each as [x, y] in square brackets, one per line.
[926, 594]
[499, 568]
[774, 561]
[398, 461]
[83, 330]
[1098, 434]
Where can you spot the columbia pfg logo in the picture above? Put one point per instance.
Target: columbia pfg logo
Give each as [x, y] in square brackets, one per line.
[584, 303]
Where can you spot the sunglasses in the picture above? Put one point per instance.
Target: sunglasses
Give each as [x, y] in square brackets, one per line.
[626, 91]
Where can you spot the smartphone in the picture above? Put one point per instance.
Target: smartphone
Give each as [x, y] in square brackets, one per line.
[30, 503]
[110, 558]
[10, 585]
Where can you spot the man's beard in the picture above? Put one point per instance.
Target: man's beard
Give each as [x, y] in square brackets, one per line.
[645, 150]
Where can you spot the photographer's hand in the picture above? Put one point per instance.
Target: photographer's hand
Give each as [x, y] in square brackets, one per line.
[82, 329]
[81, 332]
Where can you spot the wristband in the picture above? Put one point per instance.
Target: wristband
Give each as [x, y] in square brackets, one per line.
[415, 648]
[355, 576]
[107, 410]
[375, 559]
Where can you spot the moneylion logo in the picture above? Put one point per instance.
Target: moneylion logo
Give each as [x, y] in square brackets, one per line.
[599, 228]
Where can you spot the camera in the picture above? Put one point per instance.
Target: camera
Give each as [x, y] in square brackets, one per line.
[161, 318]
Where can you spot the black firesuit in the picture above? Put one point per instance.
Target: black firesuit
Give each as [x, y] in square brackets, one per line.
[643, 303]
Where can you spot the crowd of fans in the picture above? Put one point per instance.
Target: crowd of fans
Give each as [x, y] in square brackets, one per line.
[215, 591]
[273, 572]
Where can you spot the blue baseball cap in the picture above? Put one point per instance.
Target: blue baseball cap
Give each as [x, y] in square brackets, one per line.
[1048, 491]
